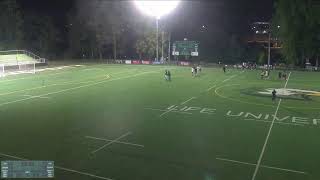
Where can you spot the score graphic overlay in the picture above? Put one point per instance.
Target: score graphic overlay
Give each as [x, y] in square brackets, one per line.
[27, 169]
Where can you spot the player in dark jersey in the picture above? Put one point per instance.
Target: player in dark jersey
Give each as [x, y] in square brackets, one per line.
[166, 77]
[169, 75]
[284, 76]
[224, 69]
[280, 75]
[274, 95]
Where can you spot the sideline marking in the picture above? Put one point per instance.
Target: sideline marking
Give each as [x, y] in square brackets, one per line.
[43, 97]
[67, 83]
[188, 100]
[78, 87]
[119, 142]
[59, 167]
[268, 135]
[111, 142]
[264, 166]
[40, 70]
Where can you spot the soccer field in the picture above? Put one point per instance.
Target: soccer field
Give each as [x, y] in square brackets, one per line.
[125, 122]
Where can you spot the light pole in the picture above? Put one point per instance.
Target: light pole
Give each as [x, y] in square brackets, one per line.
[269, 49]
[157, 22]
[169, 47]
[156, 9]
[162, 38]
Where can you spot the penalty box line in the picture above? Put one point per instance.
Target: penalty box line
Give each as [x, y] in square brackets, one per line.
[60, 167]
[77, 87]
[268, 135]
[67, 83]
[264, 166]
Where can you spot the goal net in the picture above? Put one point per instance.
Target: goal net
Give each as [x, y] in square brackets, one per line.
[20, 68]
[1, 70]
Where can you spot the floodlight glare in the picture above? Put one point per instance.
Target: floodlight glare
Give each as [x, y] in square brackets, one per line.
[156, 8]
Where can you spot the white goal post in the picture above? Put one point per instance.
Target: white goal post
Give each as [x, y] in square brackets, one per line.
[20, 68]
[2, 70]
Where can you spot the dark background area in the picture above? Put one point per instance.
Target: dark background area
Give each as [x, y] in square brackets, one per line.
[103, 29]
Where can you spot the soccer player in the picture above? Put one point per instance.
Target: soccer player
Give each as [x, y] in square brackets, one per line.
[166, 77]
[284, 76]
[274, 95]
[169, 75]
[262, 74]
[198, 69]
[224, 69]
[192, 70]
[266, 75]
[195, 71]
[280, 75]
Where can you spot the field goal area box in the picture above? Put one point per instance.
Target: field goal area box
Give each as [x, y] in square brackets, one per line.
[185, 48]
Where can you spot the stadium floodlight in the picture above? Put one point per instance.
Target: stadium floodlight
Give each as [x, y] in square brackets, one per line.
[157, 9]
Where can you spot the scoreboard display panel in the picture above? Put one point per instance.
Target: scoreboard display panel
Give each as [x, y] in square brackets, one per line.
[27, 169]
[185, 48]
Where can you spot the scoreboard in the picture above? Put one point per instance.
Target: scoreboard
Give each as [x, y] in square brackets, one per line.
[27, 169]
[185, 48]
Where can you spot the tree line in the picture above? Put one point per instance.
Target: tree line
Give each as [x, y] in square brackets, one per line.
[98, 29]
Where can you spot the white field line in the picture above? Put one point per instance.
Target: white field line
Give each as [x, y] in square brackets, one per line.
[264, 166]
[50, 74]
[59, 167]
[188, 100]
[268, 135]
[64, 83]
[293, 124]
[111, 142]
[119, 142]
[209, 89]
[167, 110]
[232, 77]
[172, 109]
[74, 88]
[43, 97]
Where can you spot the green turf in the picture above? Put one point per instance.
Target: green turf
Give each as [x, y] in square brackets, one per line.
[108, 101]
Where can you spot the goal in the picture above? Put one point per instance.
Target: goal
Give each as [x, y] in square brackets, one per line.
[20, 68]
